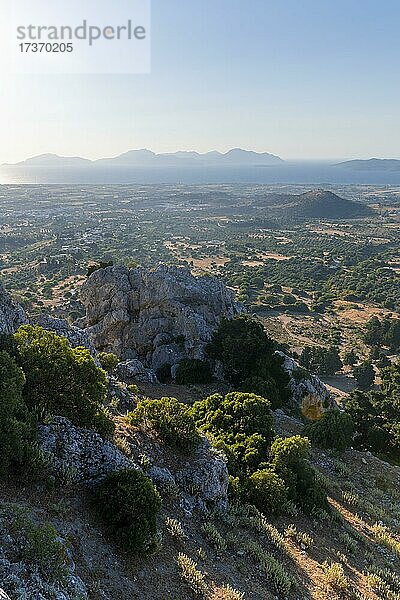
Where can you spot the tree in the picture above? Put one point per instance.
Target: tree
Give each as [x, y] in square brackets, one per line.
[350, 358]
[376, 414]
[364, 375]
[333, 430]
[16, 425]
[60, 380]
[248, 357]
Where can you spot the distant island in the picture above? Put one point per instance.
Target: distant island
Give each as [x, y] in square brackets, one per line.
[372, 164]
[147, 158]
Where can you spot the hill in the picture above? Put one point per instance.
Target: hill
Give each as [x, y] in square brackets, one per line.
[372, 164]
[319, 525]
[321, 204]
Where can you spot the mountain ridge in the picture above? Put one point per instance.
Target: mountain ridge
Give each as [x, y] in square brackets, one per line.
[145, 157]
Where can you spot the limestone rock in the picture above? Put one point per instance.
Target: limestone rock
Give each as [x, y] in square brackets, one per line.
[12, 315]
[308, 393]
[134, 370]
[205, 477]
[84, 451]
[75, 335]
[156, 316]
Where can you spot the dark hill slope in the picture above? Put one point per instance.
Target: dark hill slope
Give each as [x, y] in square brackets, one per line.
[321, 204]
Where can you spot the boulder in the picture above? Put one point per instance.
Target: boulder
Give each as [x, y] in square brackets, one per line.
[12, 315]
[205, 478]
[134, 370]
[307, 391]
[89, 457]
[159, 316]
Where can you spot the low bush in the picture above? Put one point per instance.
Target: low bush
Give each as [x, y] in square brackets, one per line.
[290, 460]
[128, 503]
[164, 373]
[108, 360]
[265, 490]
[334, 430]
[170, 419]
[240, 424]
[191, 371]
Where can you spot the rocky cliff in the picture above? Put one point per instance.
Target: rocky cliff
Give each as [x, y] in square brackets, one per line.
[12, 315]
[158, 316]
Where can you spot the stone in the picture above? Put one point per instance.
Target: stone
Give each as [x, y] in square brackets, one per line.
[205, 477]
[130, 370]
[12, 315]
[75, 335]
[162, 479]
[85, 452]
[158, 316]
[308, 393]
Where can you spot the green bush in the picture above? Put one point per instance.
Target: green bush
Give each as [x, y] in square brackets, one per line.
[60, 380]
[16, 425]
[266, 490]
[376, 415]
[333, 430]
[108, 360]
[191, 371]
[249, 359]
[290, 460]
[171, 419]
[164, 373]
[241, 425]
[128, 503]
[364, 375]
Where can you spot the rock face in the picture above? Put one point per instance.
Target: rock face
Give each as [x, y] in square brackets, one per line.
[158, 317]
[75, 336]
[308, 393]
[200, 479]
[84, 452]
[12, 315]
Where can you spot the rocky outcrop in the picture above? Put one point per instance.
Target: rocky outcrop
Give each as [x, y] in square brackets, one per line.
[80, 455]
[75, 335]
[134, 370]
[82, 451]
[12, 315]
[307, 391]
[158, 317]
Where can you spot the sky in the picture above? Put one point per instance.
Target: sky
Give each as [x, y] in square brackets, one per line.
[304, 79]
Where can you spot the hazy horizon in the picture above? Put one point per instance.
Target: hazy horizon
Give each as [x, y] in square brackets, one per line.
[308, 82]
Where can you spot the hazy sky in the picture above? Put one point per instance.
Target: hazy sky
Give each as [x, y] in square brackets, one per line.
[299, 78]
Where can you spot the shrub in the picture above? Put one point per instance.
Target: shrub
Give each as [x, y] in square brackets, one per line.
[171, 419]
[129, 503]
[266, 490]
[364, 375]
[333, 430]
[376, 414]
[192, 371]
[236, 413]
[164, 373]
[59, 379]
[289, 458]
[241, 425]
[16, 425]
[248, 357]
[108, 360]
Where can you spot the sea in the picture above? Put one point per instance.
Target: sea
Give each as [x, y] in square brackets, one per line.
[316, 173]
